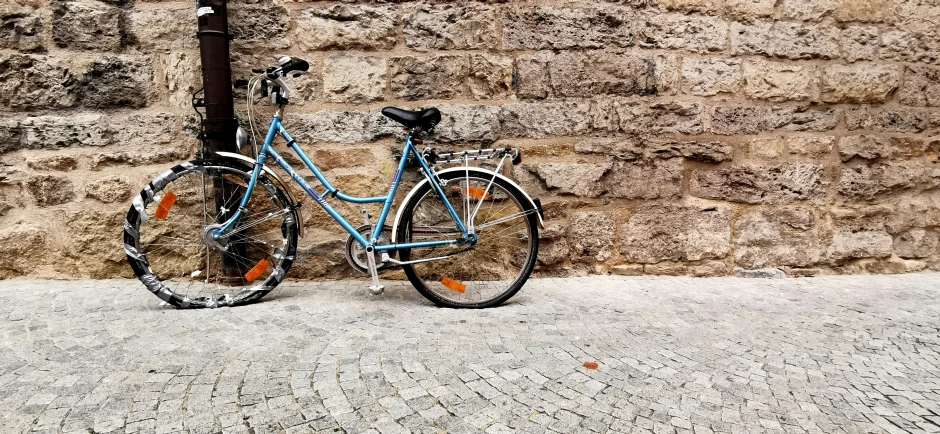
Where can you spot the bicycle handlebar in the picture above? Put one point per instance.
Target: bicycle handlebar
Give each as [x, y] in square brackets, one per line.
[295, 65]
[276, 74]
[285, 66]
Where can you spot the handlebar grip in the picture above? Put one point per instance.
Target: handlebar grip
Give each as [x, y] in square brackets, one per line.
[295, 65]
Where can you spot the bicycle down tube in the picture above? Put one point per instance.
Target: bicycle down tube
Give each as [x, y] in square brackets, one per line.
[267, 150]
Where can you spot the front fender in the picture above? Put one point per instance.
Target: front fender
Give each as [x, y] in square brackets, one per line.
[401, 209]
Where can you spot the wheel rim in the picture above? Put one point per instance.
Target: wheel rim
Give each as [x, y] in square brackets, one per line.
[174, 246]
[494, 264]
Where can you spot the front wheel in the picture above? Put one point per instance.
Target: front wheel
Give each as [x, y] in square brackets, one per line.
[168, 241]
[473, 275]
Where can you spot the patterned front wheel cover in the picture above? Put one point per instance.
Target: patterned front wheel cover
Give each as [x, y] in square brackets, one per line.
[277, 249]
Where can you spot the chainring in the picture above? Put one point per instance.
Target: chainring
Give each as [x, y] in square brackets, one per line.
[356, 254]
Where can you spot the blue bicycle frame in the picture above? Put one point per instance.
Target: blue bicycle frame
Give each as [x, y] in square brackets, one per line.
[267, 150]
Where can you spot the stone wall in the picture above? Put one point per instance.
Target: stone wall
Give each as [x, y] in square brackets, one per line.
[664, 136]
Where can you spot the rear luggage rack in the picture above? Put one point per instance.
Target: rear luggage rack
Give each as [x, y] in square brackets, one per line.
[471, 155]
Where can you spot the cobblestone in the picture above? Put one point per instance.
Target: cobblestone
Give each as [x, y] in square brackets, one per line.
[675, 355]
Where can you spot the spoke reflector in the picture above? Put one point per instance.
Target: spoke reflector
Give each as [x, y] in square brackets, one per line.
[453, 285]
[256, 271]
[165, 204]
[478, 193]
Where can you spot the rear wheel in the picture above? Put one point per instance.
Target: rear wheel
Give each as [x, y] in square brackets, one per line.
[168, 241]
[474, 275]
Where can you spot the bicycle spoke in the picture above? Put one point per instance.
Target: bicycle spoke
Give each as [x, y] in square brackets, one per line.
[507, 218]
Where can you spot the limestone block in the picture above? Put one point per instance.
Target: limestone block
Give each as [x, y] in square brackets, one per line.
[163, 29]
[859, 83]
[657, 179]
[916, 243]
[807, 10]
[580, 179]
[491, 76]
[545, 119]
[354, 79]
[347, 27]
[51, 84]
[889, 119]
[109, 189]
[786, 236]
[434, 77]
[49, 190]
[659, 233]
[547, 27]
[52, 132]
[449, 27]
[804, 41]
[22, 28]
[921, 87]
[778, 81]
[86, 25]
[117, 81]
[700, 34]
[707, 77]
[591, 235]
[859, 42]
[875, 147]
[762, 183]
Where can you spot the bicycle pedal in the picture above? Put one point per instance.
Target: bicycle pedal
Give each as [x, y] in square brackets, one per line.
[377, 290]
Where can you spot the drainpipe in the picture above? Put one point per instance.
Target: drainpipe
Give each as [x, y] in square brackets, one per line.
[220, 124]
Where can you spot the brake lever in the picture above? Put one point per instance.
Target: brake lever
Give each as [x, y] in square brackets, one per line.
[272, 72]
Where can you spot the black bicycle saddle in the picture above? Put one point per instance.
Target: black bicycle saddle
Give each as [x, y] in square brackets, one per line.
[425, 119]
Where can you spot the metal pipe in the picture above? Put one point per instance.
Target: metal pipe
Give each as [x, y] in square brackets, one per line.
[220, 123]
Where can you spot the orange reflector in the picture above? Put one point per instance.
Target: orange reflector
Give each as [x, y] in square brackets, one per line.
[165, 204]
[453, 285]
[590, 365]
[256, 271]
[478, 193]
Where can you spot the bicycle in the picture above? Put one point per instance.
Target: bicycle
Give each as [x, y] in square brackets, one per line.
[203, 234]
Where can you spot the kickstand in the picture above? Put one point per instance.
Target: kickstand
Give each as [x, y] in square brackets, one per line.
[375, 289]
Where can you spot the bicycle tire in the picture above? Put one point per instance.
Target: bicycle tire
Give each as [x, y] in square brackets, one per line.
[253, 236]
[432, 285]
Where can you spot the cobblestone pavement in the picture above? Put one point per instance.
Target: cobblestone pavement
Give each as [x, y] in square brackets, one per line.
[827, 355]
